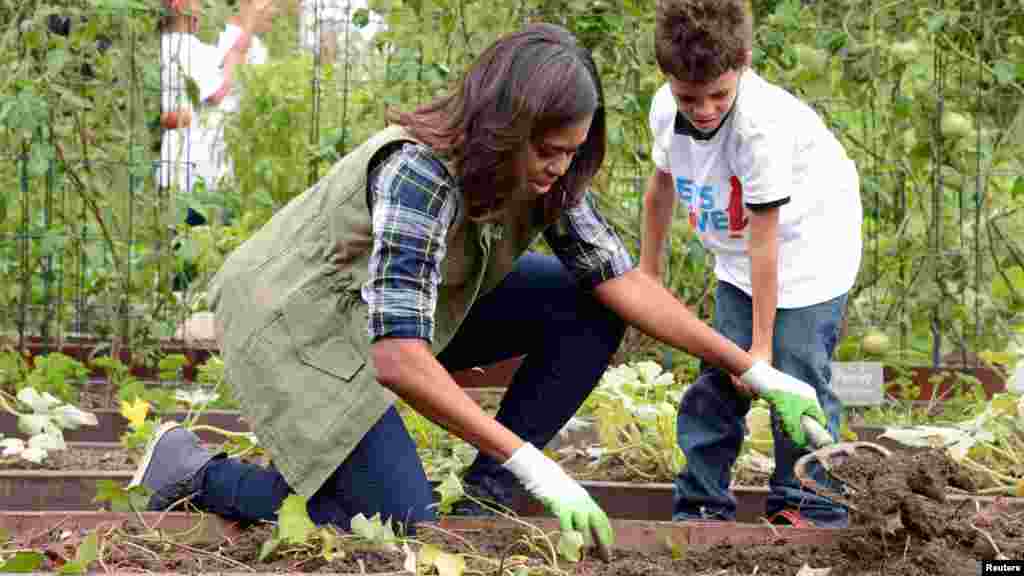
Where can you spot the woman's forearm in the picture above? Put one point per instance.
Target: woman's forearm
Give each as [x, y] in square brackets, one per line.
[407, 367]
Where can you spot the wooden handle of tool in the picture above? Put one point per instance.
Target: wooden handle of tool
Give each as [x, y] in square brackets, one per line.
[817, 433]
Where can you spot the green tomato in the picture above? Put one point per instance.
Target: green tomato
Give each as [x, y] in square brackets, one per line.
[905, 51]
[250, 221]
[909, 139]
[955, 125]
[875, 342]
[812, 58]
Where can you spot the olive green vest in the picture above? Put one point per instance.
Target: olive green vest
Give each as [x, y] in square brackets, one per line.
[292, 326]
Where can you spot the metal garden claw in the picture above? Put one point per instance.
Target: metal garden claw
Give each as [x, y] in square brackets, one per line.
[828, 453]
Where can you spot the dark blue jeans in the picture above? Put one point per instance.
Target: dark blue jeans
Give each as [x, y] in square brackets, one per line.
[569, 339]
[710, 423]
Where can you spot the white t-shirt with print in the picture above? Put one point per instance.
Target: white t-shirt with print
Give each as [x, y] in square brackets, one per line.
[771, 150]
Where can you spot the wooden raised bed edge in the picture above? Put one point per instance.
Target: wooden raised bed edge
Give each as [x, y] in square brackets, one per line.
[635, 535]
[25, 490]
[993, 381]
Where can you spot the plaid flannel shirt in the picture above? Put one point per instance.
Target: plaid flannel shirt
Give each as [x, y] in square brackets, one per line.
[413, 207]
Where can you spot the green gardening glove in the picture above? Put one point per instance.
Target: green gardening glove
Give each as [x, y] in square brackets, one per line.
[562, 496]
[791, 398]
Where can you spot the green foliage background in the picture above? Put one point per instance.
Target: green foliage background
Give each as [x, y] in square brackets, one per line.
[86, 240]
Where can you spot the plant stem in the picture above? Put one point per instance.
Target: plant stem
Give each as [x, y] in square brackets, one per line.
[951, 46]
[997, 476]
[221, 431]
[7, 407]
[1006, 454]
[999, 555]
[1008, 490]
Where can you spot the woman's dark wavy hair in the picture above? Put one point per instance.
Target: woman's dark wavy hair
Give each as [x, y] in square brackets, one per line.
[522, 86]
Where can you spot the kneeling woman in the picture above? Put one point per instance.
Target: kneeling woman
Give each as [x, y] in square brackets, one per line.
[409, 260]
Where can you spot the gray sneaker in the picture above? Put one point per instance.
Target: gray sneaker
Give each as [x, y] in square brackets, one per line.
[171, 466]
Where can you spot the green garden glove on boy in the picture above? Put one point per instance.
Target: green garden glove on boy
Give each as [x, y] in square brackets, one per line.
[791, 398]
[562, 496]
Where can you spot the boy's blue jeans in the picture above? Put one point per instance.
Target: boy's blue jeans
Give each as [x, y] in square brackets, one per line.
[710, 423]
[569, 339]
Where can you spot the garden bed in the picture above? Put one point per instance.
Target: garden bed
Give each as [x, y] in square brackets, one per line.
[111, 424]
[213, 545]
[67, 480]
[931, 536]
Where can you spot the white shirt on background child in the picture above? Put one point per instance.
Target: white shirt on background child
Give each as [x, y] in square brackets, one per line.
[185, 153]
[333, 16]
[199, 151]
[771, 150]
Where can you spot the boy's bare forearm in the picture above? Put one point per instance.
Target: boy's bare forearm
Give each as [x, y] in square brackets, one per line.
[659, 203]
[764, 278]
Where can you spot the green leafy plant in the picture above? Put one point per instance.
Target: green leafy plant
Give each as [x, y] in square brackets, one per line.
[120, 497]
[86, 553]
[210, 376]
[23, 561]
[298, 535]
[991, 443]
[129, 388]
[569, 545]
[441, 452]
[171, 367]
[633, 410]
[43, 424]
[142, 427]
[56, 374]
[14, 367]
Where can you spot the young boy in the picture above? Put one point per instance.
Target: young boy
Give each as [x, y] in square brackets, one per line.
[192, 148]
[772, 194]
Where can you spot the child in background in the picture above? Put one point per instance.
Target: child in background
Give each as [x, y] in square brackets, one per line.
[192, 147]
[257, 53]
[321, 23]
[772, 194]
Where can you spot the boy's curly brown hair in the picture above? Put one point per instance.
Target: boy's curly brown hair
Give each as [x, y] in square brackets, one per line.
[697, 41]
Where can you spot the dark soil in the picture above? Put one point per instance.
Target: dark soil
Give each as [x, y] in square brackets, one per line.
[484, 552]
[911, 526]
[904, 527]
[79, 459]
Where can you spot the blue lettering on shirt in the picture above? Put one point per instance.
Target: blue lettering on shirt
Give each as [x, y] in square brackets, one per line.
[684, 187]
[707, 197]
[701, 198]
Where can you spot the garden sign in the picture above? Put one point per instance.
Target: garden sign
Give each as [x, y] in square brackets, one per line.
[858, 383]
